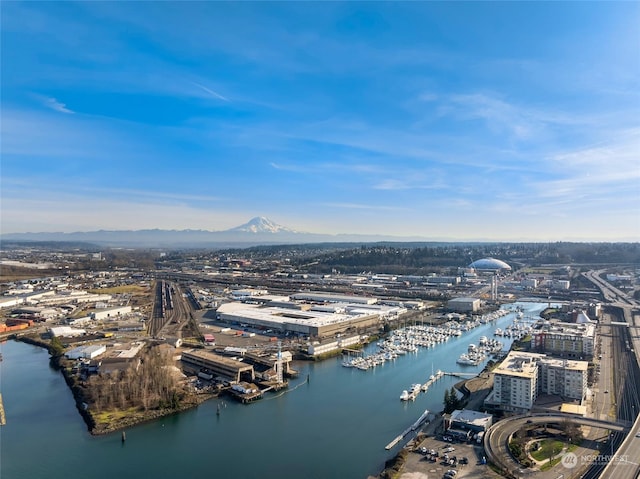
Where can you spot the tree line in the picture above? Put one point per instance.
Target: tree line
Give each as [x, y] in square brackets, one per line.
[151, 385]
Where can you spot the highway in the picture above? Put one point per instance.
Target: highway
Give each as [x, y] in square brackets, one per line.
[625, 450]
[626, 461]
[611, 294]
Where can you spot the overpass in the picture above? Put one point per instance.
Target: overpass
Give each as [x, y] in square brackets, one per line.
[497, 437]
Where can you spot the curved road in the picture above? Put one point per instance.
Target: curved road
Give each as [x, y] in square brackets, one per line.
[496, 439]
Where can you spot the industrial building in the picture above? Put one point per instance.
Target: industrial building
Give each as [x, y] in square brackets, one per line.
[321, 320]
[86, 352]
[110, 313]
[316, 349]
[66, 332]
[464, 305]
[218, 365]
[333, 298]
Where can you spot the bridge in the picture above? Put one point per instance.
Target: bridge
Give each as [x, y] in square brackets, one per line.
[496, 439]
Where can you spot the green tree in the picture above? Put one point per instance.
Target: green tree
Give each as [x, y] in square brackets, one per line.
[57, 349]
[447, 401]
[451, 401]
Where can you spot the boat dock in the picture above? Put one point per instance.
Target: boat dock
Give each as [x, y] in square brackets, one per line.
[432, 379]
[3, 419]
[411, 428]
[246, 398]
[461, 375]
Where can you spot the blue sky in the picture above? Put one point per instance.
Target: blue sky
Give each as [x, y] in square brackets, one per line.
[481, 120]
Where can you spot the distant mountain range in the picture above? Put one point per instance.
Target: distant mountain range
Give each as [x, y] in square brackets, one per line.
[257, 231]
[260, 224]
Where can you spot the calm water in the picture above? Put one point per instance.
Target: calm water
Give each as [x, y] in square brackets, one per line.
[334, 427]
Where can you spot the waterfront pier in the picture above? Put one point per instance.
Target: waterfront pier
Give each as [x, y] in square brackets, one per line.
[3, 419]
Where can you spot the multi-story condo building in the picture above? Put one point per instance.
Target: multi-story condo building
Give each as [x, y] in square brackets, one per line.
[570, 340]
[522, 377]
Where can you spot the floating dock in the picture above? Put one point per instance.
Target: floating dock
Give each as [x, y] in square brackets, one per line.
[411, 428]
[3, 419]
[425, 387]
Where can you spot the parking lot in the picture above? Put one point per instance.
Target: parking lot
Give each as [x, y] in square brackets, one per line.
[433, 457]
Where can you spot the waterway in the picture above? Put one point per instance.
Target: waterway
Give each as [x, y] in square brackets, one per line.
[336, 426]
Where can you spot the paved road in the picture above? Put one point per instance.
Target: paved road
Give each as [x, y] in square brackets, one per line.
[496, 440]
[625, 463]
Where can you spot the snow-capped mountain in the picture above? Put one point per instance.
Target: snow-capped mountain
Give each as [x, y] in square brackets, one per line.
[258, 231]
[260, 224]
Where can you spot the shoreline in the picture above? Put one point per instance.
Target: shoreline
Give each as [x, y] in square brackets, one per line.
[395, 464]
[148, 416]
[123, 422]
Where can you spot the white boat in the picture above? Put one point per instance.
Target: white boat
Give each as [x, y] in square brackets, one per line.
[405, 395]
[466, 360]
[463, 359]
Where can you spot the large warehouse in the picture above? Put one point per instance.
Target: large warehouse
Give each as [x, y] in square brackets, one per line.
[319, 321]
[464, 305]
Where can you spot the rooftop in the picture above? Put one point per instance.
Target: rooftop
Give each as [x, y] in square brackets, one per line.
[520, 364]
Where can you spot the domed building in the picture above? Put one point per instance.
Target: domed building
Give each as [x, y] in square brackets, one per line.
[489, 264]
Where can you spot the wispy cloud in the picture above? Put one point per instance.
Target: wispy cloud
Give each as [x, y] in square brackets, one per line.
[411, 179]
[56, 105]
[362, 206]
[499, 115]
[293, 167]
[619, 153]
[214, 94]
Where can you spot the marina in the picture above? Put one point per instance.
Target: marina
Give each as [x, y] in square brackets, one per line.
[410, 339]
[363, 407]
[477, 354]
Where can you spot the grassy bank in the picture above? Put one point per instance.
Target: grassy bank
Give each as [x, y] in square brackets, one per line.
[107, 421]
